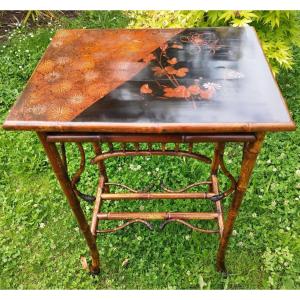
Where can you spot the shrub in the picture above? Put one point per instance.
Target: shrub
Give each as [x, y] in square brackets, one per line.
[36, 15]
[277, 30]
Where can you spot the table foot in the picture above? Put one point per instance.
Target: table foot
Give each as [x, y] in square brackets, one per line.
[222, 269]
[94, 272]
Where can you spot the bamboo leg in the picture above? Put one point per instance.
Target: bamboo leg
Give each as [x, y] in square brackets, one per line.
[219, 150]
[60, 172]
[101, 166]
[98, 203]
[251, 150]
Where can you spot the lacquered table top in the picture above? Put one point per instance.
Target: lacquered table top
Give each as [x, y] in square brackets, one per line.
[173, 80]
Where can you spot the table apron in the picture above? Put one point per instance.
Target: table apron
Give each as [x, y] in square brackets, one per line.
[151, 138]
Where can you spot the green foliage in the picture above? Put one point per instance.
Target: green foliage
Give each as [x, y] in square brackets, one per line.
[40, 244]
[36, 15]
[98, 19]
[277, 30]
[164, 19]
[277, 263]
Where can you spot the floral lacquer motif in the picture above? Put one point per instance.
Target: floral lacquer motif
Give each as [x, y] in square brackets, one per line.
[173, 77]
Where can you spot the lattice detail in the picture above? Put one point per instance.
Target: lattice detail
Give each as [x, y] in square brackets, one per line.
[195, 228]
[162, 226]
[164, 188]
[129, 188]
[150, 151]
[229, 176]
[181, 218]
[124, 152]
[181, 193]
[76, 177]
[185, 188]
[147, 224]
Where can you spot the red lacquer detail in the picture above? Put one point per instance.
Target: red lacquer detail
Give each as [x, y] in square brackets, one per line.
[207, 93]
[145, 89]
[177, 46]
[194, 89]
[158, 71]
[181, 72]
[185, 92]
[164, 66]
[179, 92]
[164, 47]
[172, 61]
[149, 58]
[170, 70]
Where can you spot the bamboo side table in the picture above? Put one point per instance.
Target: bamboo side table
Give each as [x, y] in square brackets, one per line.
[179, 86]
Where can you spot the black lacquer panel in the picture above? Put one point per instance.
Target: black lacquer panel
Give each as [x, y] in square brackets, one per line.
[214, 75]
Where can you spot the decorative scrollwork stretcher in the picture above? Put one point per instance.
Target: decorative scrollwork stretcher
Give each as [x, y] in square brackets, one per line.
[167, 193]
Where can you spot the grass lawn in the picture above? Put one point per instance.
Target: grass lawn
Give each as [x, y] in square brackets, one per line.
[40, 244]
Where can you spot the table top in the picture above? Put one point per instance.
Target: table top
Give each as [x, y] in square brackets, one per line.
[152, 80]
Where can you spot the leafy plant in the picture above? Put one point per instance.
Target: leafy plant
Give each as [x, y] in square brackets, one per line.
[277, 263]
[277, 30]
[36, 15]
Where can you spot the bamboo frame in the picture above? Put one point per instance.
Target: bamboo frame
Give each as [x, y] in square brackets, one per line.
[157, 215]
[157, 128]
[62, 176]
[150, 138]
[150, 152]
[252, 143]
[251, 151]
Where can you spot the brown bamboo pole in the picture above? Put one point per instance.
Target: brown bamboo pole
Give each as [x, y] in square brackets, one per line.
[219, 151]
[191, 147]
[60, 172]
[64, 156]
[141, 196]
[101, 165]
[219, 208]
[150, 138]
[157, 215]
[151, 152]
[251, 151]
[97, 206]
[156, 128]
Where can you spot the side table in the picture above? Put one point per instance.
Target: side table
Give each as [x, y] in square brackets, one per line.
[143, 87]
